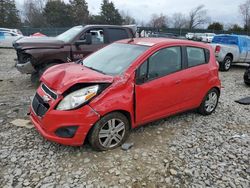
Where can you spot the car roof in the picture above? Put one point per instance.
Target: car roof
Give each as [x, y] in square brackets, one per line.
[162, 41]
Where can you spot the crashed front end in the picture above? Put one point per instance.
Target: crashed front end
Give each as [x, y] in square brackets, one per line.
[67, 127]
[23, 61]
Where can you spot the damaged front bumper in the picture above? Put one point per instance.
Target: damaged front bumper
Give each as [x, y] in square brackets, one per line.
[25, 68]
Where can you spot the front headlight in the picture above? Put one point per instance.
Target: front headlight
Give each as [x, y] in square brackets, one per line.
[77, 98]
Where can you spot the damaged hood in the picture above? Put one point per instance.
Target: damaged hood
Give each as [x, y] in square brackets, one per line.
[38, 42]
[61, 77]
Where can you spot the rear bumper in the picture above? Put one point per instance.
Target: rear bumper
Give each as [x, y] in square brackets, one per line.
[25, 68]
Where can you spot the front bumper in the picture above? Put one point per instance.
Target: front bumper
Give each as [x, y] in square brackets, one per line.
[84, 118]
[25, 68]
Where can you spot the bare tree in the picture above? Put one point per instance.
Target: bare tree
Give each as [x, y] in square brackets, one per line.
[33, 13]
[245, 12]
[179, 21]
[127, 19]
[158, 21]
[197, 17]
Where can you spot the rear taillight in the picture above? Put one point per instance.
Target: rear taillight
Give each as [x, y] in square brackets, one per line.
[217, 49]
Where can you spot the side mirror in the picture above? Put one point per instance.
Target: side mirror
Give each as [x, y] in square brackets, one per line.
[87, 40]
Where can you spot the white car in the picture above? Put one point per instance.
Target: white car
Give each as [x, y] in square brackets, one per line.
[189, 36]
[8, 37]
[207, 37]
[17, 31]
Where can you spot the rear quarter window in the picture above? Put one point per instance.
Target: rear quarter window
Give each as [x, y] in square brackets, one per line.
[197, 56]
[115, 34]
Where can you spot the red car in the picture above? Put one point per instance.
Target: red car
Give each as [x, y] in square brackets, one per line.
[122, 86]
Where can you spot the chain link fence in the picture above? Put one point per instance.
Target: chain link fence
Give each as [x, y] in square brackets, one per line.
[182, 32]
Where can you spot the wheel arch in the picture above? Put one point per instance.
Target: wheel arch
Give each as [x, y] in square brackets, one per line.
[124, 112]
[230, 55]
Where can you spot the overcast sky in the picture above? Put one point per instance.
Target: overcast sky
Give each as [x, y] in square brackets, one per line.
[225, 11]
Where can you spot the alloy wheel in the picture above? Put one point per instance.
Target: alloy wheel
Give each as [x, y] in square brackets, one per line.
[112, 133]
[228, 64]
[211, 101]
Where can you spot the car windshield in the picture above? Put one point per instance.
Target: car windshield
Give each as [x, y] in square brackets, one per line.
[68, 35]
[114, 59]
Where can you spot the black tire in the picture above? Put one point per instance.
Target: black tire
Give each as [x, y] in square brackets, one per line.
[97, 143]
[226, 64]
[247, 83]
[35, 77]
[203, 109]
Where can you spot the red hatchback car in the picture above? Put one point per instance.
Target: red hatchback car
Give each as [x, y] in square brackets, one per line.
[122, 86]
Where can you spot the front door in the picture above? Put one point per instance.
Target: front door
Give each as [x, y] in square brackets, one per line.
[158, 89]
[97, 42]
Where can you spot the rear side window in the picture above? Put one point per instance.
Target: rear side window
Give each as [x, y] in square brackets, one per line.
[196, 56]
[117, 34]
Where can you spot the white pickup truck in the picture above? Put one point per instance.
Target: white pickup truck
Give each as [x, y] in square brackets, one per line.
[231, 49]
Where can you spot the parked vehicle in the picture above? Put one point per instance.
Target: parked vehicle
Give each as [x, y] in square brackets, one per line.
[36, 54]
[122, 86]
[17, 31]
[8, 37]
[190, 36]
[247, 76]
[231, 49]
[163, 35]
[208, 37]
[198, 36]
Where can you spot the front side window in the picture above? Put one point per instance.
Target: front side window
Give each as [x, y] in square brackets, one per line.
[97, 36]
[196, 56]
[161, 63]
[164, 62]
[114, 59]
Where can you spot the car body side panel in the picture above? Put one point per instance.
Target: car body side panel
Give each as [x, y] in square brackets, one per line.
[41, 56]
[228, 49]
[117, 97]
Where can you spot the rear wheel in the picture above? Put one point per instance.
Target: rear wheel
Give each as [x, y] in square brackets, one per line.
[226, 64]
[109, 132]
[209, 103]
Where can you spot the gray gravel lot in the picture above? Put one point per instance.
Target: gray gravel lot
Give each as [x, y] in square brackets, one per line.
[186, 150]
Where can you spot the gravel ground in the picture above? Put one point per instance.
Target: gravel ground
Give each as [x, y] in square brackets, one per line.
[186, 150]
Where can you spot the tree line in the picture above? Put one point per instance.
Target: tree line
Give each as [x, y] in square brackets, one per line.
[44, 13]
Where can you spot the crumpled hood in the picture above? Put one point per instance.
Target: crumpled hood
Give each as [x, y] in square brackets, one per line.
[61, 77]
[38, 42]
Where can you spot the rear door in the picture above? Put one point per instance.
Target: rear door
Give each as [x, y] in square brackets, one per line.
[98, 41]
[195, 76]
[159, 89]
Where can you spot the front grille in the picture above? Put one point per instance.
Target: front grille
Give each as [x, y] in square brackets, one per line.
[39, 106]
[49, 91]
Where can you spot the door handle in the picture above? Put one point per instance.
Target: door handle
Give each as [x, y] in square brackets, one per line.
[177, 81]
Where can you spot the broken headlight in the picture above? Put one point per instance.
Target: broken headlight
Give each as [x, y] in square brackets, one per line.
[77, 98]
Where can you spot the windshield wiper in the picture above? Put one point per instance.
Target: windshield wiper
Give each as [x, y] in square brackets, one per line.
[95, 69]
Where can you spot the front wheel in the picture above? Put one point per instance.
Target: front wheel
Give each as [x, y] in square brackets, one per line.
[226, 64]
[209, 103]
[109, 132]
